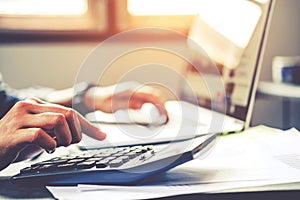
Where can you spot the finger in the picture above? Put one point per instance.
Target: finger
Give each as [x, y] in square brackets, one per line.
[39, 106]
[35, 136]
[119, 101]
[138, 99]
[146, 98]
[74, 125]
[129, 100]
[86, 126]
[91, 130]
[162, 110]
[62, 132]
[73, 119]
[54, 123]
[35, 100]
[79, 124]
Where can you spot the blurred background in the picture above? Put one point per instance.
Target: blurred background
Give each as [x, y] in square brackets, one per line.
[44, 42]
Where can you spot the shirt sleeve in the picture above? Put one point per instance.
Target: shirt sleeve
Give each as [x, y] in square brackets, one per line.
[9, 96]
[36, 91]
[6, 102]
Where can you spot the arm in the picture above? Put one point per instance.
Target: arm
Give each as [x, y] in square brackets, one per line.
[112, 98]
[108, 99]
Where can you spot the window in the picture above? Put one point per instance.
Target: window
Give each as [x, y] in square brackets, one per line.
[43, 7]
[174, 14]
[93, 17]
[163, 7]
[52, 17]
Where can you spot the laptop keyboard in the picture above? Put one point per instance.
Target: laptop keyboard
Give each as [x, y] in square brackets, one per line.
[101, 159]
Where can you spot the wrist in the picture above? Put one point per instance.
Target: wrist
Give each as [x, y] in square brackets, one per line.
[82, 101]
[89, 98]
[62, 97]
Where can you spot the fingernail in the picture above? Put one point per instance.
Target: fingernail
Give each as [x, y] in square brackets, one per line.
[101, 135]
[50, 151]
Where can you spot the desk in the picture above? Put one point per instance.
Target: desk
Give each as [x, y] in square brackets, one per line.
[284, 91]
[280, 191]
[247, 147]
[10, 191]
[263, 195]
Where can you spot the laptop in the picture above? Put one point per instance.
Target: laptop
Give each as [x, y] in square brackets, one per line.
[231, 44]
[216, 89]
[218, 58]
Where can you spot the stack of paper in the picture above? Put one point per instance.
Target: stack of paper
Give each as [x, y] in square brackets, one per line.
[256, 157]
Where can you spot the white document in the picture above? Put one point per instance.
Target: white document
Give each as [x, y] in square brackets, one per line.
[183, 124]
[256, 157]
[185, 121]
[149, 192]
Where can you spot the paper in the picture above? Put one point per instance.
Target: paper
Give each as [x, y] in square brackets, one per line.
[182, 125]
[148, 114]
[185, 121]
[256, 157]
[148, 192]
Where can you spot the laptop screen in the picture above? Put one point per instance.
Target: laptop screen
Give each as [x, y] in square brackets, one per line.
[226, 39]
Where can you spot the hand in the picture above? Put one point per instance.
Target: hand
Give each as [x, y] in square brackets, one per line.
[43, 124]
[112, 98]
[124, 96]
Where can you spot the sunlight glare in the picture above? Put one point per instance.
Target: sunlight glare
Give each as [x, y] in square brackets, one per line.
[43, 7]
[235, 19]
[163, 7]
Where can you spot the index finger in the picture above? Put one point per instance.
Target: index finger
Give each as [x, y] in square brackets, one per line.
[86, 127]
[91, 130]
